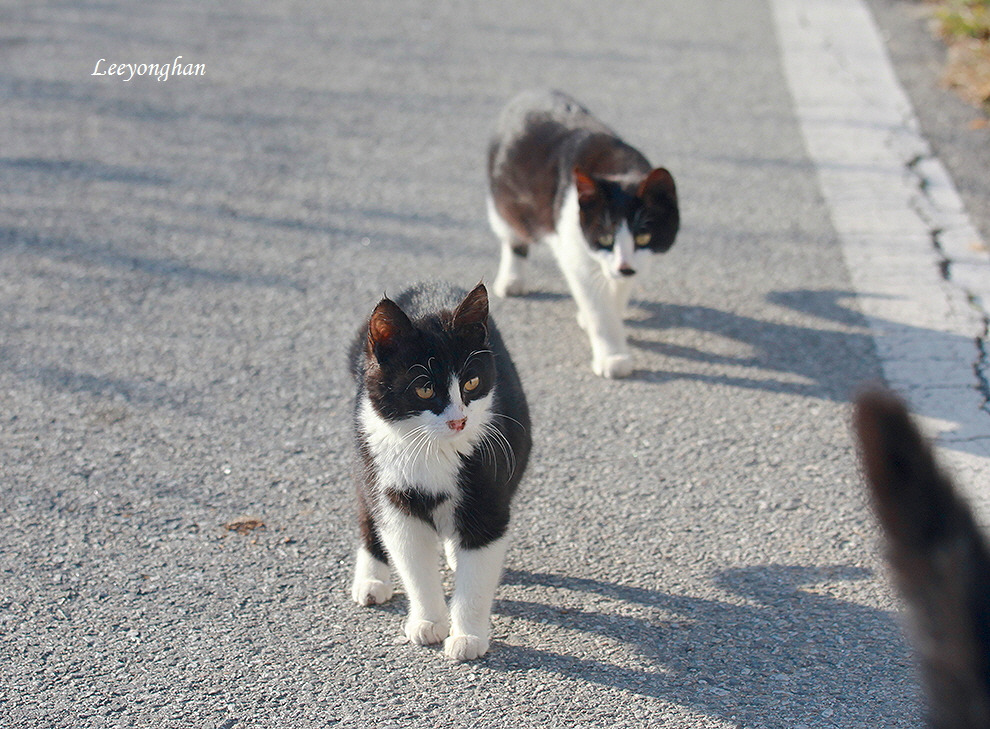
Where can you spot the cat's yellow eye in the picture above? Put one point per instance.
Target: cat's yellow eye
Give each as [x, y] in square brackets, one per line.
[643, 239]
[606, 240]
[472, 384]
[425, 392]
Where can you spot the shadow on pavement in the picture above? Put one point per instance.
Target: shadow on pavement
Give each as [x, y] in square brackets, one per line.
[777, 658]
[826, 363]
[818, 356]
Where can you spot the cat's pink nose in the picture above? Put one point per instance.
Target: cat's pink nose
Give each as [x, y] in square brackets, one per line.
[457, 424]
[627, 271]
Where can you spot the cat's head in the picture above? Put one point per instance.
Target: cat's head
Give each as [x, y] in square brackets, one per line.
[434, 375]
[622, 222]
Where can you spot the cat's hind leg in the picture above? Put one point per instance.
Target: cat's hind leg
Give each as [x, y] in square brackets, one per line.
[372, 583]
[510, 279]
[372, 580]
[450, 554]
[477, 577]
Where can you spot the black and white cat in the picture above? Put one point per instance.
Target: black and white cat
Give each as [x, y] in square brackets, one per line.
[558, 174]
[443, 430]
[939, 560]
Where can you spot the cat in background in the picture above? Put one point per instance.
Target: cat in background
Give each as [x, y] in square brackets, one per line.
[443, 430]
[559, 175]
[939, 561]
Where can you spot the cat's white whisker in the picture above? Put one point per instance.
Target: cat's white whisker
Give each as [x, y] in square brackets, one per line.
[420, 366]
[415, 447]
[488, 452]
[501, 415]
[422, 445]
[476, 353]
[413, 382]
[498, 439]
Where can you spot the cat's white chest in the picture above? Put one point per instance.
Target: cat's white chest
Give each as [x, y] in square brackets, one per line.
[408, 454]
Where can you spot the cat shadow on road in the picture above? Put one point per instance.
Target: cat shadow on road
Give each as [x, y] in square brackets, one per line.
[827, 362]
[776, 658]
[820, 358]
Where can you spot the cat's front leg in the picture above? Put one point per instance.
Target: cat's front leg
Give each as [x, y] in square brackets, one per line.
[477, 577]
[510, 279]
[411, 544]
[621, 292]
[601, 318]
[599, 309]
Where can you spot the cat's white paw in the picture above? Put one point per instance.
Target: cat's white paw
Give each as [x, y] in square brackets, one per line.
[506, 286]
[613, 366]
[367, 592]
[426, 632]
[465, 647]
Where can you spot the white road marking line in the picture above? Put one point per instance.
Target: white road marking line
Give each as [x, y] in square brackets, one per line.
[901, 224]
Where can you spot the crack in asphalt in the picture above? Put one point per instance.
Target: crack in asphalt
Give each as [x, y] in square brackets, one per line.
[928, 209]
[981, 366]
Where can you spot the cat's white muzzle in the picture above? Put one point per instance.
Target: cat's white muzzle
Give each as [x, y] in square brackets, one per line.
[619, 263]
[454, 419]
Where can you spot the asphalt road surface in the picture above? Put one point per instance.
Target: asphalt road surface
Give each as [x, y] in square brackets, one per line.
[183, 263]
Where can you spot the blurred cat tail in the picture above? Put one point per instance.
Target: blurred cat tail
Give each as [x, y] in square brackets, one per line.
[938, 558]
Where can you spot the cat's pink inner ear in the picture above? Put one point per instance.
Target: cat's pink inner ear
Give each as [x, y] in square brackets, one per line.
[474, 308]
[586, 187]
[386, 323]
[659, 180]
[380, 330]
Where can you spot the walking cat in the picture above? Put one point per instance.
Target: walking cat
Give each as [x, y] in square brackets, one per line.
[558, 174]
[443, 430]
[939, 561]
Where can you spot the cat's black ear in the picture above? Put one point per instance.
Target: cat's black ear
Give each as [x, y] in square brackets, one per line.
[471, 315]
[658, 184]
[587, 190]
[387, 326]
